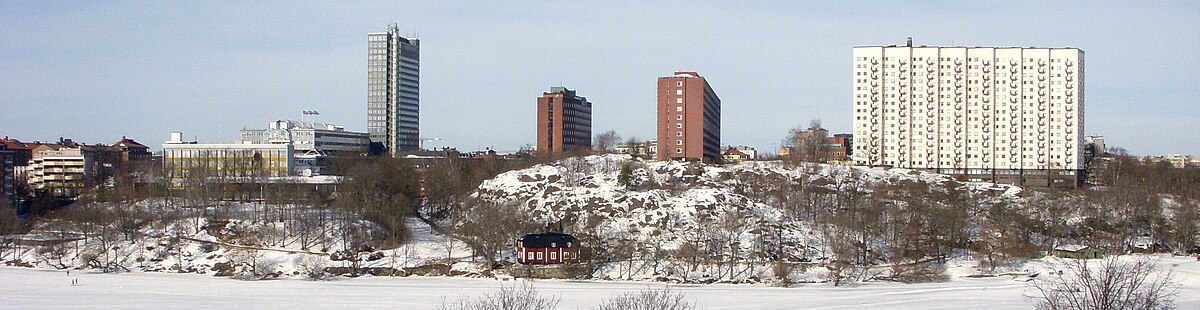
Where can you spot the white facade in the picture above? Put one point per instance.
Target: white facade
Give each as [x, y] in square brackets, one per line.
[309, 136]
[1178, 160]
[226, 161]
[61, 172]
[648, 149]
[969, 110]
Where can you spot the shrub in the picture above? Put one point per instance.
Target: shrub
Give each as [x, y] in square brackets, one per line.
[649, 299]
[516, 297]
[1108, 284]
[312, 267]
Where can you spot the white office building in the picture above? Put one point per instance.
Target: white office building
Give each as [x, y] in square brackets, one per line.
[1002, 114]
[226, 162]
[307, 137]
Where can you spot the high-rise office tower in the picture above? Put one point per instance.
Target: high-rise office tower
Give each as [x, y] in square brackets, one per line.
[393, 84]
[1001, 114]
[564, 122]
[689, 118]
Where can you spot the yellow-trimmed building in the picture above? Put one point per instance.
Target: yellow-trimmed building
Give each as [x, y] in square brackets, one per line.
[230, 162]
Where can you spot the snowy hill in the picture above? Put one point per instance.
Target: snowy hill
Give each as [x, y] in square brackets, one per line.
[753, 222]
[742, 216]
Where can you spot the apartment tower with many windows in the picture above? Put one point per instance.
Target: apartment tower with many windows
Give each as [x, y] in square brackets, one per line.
[1001, 114]
[689, 118]
[393, 83]
[564, 122]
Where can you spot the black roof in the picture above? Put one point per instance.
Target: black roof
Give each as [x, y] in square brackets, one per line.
[544, 240]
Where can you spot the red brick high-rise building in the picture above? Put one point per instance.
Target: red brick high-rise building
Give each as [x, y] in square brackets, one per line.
[564, 122]
[689, 118]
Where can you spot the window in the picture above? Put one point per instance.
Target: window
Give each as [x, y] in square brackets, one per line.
[678, 133]
[539, 255]
[678, 142]
[679, 100]
[678, 109]
[679, 92]
[553, 255]
[678, 150]
[678, 125]
[679, 117]
[529, 255]
[679, 83]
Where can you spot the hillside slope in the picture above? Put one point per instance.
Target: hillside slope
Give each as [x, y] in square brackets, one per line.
[697, 222]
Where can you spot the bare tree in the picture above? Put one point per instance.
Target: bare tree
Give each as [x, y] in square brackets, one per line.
[808, 144]
[636, 147]
[491, 227]
[9, 224]
[606, 142]
[1109, 283]
[1185, 227]
[383, 191]
[312, 267]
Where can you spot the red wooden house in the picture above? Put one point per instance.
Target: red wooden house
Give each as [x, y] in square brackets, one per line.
[547, 248]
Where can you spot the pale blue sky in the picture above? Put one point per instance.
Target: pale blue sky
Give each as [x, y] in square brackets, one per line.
[95, 71]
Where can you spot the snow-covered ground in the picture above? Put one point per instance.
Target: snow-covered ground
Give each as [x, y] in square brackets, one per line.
[33, 288]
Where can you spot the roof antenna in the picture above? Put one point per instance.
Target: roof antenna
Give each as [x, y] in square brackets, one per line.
[909, 41]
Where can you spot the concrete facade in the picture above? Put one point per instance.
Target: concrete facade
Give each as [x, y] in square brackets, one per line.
[1002, 114]
[60, 171]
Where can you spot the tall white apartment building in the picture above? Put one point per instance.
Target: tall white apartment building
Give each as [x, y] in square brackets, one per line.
[1001, 114]
[393, 85]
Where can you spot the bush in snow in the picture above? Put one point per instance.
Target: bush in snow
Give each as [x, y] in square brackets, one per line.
[650, 299]
[1108, 284]
[516, 297]
[312, 267]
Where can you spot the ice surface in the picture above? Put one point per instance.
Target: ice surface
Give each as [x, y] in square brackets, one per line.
[35, 288]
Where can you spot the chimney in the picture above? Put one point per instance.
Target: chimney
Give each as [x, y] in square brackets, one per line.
[909, 41]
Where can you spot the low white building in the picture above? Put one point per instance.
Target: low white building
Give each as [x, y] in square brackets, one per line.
[647, 149]
[749, 151]
[1178, 160]
[59, 170]
[308, 137]
[232, 162]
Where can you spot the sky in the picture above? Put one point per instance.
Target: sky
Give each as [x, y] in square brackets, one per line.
[99, 70]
